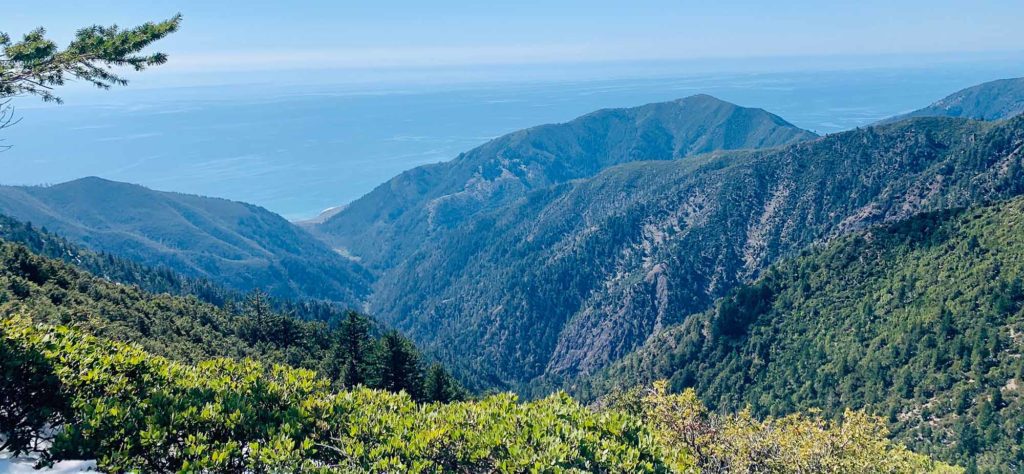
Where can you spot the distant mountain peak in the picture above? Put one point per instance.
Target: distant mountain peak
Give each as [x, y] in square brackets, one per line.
[92, 181]
[994, 100]
[438, 196]
[704, 98]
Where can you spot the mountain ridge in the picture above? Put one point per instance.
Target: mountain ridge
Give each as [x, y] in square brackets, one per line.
[242, 245]
[994, 100]
[573, 276]
[405, 210]
[918, 321]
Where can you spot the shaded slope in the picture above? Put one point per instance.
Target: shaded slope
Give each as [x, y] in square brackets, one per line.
[239, 245]
[393, 220]
[154, 280]
[182, 328]
[574, 276]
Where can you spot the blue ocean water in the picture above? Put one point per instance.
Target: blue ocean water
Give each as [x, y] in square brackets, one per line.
[299, 149]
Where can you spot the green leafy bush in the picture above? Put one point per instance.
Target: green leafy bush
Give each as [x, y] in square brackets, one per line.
[855, 443]
[136, 412]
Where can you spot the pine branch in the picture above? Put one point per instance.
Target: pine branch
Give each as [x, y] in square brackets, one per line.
[35, 66]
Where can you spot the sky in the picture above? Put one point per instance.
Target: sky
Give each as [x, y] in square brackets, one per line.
[231, 38]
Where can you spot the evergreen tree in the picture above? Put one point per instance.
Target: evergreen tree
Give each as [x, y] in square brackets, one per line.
[398, 365]
[440, 386]
[259, 324]
[35, 65]
[353, 346]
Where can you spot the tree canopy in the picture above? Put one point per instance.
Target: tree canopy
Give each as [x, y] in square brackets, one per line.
[189, 330]
[35, 65]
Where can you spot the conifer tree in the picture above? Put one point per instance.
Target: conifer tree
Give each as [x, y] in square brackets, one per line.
[398, 365]
[262, 324]
[36, 66]
[440, 386]
[353, 348]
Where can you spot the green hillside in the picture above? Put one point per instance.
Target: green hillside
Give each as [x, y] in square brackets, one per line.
[154, 280]
[688, 287]
[995, 100]
[186, 329]
[238, 245]
[390, 222]
[920, 322]
[573, 277]
[583, 255]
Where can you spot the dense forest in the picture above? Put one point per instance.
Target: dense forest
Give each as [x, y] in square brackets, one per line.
[787, 373]
[572, 277]
[187, 329]
[156, 279]
[224, 376]
[720, 290]
[919, 322]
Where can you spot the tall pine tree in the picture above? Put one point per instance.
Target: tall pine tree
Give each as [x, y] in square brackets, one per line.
[398, 365]
[353, 350]
[440, 386]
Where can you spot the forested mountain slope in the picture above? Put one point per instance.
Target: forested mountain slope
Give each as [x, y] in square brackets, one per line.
[181, 328]
[129, 409]
[155, 280]
[393, 220]
[921, 322]
[575, 276]
[995, 100]
[238, 245]
[186, 329]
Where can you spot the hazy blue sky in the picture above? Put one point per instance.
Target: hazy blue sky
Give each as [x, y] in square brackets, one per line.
[277, 35]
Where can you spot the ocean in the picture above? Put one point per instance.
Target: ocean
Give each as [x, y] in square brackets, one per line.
[297, 149]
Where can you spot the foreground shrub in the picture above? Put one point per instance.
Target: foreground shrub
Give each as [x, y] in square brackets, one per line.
[856, 443]
[136, 412]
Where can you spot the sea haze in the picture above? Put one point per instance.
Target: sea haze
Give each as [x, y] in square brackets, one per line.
[299, 149]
